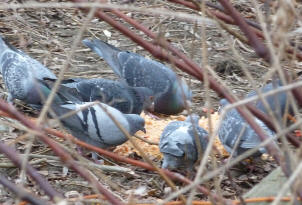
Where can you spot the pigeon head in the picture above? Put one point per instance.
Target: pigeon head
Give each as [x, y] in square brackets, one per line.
[146, 96]
[98, 94]
[178, 146]
[136, 123]
[193, 118]
[172, 162]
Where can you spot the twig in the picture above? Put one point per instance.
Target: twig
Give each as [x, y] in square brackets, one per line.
[142, 153]
[293, 180]
[223, 16]
[10, 165]
[22, 193]
[107, 168]
[116, 157]
[16, 159]
[260, 49]
[199, 74]
[251, 200]
[165, 44]
[172, 175]
[256, 28]
[145, 140]
[65, 157]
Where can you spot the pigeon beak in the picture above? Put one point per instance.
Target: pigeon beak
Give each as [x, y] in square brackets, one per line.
[144, 130]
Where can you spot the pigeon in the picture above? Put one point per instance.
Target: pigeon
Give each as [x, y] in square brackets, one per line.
[117, 94]
[170, 92]
[277, 102]
[234, 128]
[23, 76]
[178, 145]
[94, 126]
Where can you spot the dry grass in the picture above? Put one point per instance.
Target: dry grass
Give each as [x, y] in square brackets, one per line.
[47, 34]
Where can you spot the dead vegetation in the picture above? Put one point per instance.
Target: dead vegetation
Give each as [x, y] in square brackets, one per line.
[48, 34]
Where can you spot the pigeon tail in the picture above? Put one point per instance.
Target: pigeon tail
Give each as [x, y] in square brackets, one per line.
[108, 52]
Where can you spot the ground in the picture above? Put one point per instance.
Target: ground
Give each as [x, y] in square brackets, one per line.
[47, 35]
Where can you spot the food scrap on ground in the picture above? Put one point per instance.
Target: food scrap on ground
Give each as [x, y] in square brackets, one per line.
[154, 128]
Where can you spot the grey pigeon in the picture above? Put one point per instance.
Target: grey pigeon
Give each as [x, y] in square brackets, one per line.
[95, 127]
[232, 125]
[178, 145]
[117, 94]
[277, 102]
[234, 128]
[22, 75]
[138, 71]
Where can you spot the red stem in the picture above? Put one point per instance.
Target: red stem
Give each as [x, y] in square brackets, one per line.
[116, 157]
[16, 159]
[65, 157]
[260, 49]
[22, 193]
[137, 163]
[195, 71]
[254, 27]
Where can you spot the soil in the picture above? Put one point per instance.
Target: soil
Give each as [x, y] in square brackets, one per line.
[48, 34]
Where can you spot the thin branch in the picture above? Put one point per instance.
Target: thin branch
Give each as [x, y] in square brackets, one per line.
[260, 49]
[175, 51]
[16, 159]
[141, 152]
[197, 72]
[22, 193]
[222, 16]
[172, 175]
[145, 140]
[65, 157]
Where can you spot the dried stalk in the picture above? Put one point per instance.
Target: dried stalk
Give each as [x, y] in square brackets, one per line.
[172, 175]
[176, 52]
[16, 159]
[65, 157]
[261, 50]
[22, 193]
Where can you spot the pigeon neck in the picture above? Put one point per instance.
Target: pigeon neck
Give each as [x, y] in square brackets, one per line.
[143, 97]
[135, 122]
[172, 102]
